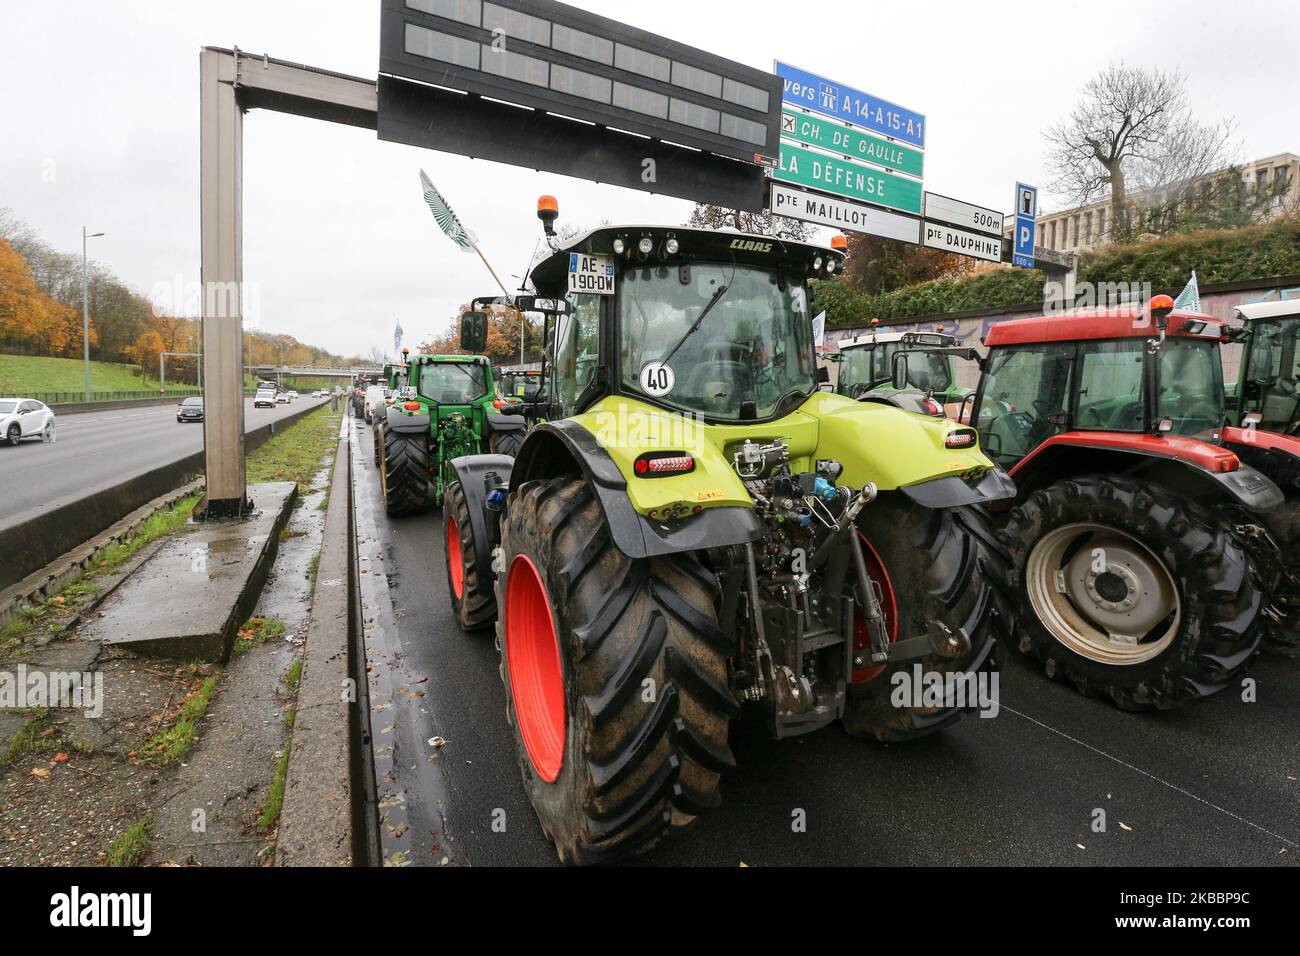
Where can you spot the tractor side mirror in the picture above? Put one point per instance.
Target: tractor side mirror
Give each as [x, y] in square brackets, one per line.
[473, 332]
[823, 375]
[899, 370]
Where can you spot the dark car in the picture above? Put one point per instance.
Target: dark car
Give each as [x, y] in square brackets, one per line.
[190, 410]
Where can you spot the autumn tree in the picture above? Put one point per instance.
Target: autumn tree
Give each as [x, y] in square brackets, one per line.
[880, 265]
[1133, 137]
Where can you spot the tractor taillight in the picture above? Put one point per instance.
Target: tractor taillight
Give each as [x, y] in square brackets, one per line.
[962, 438]
[659, 464]
[498, 403]
[932, 406]
[1229, 462]
[411, 406]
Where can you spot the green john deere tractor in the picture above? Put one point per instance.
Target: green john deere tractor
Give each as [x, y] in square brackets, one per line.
[446, 408]
[695, 524]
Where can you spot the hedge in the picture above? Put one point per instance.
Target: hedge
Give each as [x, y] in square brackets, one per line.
[1217, 255]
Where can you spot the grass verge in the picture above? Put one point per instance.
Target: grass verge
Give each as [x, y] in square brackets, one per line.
[129, 847]
[295, 453]
[257, 630]
[172, 743]
[274, 803]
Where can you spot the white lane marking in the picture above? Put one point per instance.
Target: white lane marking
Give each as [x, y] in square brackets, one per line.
[1151, 776]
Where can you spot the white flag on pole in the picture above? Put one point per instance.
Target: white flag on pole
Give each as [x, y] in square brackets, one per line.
[819, 329]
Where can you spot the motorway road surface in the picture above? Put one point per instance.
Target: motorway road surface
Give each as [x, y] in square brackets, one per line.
[1214, 784]
[95, 450]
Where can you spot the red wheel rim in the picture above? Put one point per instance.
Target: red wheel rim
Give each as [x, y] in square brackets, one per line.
[888, 607]
[455, 564]
[536, 676]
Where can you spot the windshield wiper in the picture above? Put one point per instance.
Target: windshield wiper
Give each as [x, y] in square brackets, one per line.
[717, 297]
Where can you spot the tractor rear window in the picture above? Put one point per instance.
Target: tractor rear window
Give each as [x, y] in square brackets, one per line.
[1191, 386]
[452, 383]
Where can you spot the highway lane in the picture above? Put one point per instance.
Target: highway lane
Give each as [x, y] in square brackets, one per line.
[1215, 784]
[94, 450]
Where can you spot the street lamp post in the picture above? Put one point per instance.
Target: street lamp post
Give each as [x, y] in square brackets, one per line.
[85, 306]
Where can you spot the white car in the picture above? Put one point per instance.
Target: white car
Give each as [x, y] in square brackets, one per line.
[25, 418]
[292, 395]
[264, 397]
[282, 398]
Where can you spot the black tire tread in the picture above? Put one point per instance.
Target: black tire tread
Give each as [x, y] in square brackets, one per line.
[647, 768]
[406, 473]
[476, 609]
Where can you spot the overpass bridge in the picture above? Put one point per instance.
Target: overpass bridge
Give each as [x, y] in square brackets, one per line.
[307, 371]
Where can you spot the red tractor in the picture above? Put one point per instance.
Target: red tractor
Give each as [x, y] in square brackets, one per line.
[1142, 559]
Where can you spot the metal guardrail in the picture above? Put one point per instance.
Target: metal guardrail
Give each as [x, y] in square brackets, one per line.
[59, 398]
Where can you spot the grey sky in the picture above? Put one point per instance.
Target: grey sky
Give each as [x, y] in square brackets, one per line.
[99, 118]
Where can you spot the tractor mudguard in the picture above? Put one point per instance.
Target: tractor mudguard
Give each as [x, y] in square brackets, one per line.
[1277, 456]
[478, 475]
[399, 422]
[505, 423]
[1248, 487]
[636, 536]
[953, 492]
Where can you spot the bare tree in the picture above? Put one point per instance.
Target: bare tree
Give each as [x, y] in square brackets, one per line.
[1134, 139]
[704, 216]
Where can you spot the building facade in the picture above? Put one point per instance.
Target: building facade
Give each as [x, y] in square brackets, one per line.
[1077, 230]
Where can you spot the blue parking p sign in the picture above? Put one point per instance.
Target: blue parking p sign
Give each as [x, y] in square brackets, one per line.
[1022, 240]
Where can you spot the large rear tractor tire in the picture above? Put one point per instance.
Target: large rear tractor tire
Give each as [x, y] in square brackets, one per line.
[1130, 592]
[616, 677]
[404, 476]
[1283, 636]
[378, 433]
[506, 443]
[933, 569]
[472, 599]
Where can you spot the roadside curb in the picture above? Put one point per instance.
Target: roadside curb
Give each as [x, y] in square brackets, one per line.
[318, 820]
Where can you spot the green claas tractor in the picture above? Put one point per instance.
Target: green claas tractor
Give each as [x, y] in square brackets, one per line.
[446, 409]
[1142, 553]
[695, 524]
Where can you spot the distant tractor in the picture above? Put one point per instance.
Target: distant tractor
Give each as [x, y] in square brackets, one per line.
[866, 370]
[1141, 556]
[447, 409]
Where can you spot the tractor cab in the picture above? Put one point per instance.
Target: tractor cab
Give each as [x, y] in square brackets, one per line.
[867, 363]
[710, 323]
[1111, 373]
[1269, 378]
[519, 384]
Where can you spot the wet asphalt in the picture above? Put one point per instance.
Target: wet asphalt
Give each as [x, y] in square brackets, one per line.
[1215, 784]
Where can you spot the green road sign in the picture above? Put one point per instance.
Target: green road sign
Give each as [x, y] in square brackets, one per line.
[804, 167]
[838, 138]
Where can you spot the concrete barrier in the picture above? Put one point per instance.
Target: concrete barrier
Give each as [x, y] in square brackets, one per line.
[319, 823]
[31, 545]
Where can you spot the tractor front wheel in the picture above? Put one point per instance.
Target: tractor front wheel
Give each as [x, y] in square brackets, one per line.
[404, 476]
[932, 568]
[472, 599]
[1131, 592]
[616, 677]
